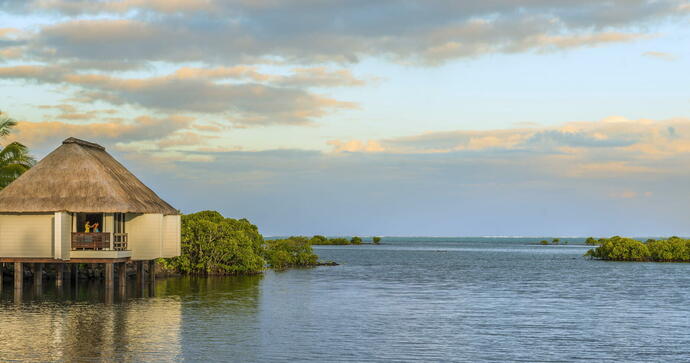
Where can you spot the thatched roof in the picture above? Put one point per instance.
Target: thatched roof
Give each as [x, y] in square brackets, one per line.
[80, 176]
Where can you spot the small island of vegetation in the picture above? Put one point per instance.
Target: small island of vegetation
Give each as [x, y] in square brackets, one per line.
[555, 241]
[673, 249]
[319, 240]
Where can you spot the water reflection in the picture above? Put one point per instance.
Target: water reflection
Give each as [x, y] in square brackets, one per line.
[220, 319]
[87, 322]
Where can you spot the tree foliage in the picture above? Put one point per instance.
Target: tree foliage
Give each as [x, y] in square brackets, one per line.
[318, 240]
[215, 245]
[592, 242]
[617, 248]
[290, 252]
[14, 157]
[321, 240]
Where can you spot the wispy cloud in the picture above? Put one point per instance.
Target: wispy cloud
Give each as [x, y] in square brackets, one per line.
[660, 55]
[616, 132]
[39, 134]
[266, 99]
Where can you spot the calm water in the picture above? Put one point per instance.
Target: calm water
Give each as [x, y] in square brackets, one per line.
[408, 300]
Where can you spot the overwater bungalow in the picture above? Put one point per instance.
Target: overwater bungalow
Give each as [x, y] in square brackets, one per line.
[80, 205]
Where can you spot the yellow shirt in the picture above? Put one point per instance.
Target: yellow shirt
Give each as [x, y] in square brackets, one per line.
[87, 228]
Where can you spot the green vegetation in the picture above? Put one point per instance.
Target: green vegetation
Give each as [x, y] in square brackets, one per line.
[215, 245]
[617, 248]
[14, 157]
[321, 240]
[376, 240]
[555, 241]
[290, 252]
[318, 240]
[593, 242]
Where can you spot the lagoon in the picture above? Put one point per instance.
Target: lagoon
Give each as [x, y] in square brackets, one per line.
[409, 299]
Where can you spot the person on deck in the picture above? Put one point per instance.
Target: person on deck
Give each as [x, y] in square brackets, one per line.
[87, 227]
[95, 228]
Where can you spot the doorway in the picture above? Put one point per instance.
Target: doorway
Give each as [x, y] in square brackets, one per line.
[92, 218]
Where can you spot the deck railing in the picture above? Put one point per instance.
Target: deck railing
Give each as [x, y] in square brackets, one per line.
[120, 241]
[98, 241]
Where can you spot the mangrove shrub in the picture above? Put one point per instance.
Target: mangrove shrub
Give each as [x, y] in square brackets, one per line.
[321, 240]
[617, 248]
[290, 252]
[215, 245]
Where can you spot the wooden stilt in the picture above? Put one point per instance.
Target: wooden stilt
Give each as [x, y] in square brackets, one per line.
[109, 275]
[59, 274]
[109, 293]
[18, 276]
[75, 272]
[152, 272]
[140, 274]
[2, 270]
[122, 277]
[38, 275]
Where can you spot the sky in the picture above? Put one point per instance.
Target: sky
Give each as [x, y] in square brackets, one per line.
[358, 117]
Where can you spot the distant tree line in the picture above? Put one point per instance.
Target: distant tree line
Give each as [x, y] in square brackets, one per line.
[322, 240]
[554, 241]
[673, 249]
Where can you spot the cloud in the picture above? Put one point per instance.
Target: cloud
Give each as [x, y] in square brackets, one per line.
[572, 41]
[297, 31]
[279, 99]
[141, 128]
[122, 6]
[355, 146]
[629, 194]
[615, 132]
[660, 55]
[615, 147]
[70, 112]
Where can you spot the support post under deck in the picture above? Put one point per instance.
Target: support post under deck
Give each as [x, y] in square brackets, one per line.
[109, 275]
[38, 275]
[122, 276]
[152, 272]
[140, 274]
[59, 274]
[18, 276]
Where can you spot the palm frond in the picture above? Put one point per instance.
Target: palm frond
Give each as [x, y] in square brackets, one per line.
[16, 153]
[14, 161]
[6, 125]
